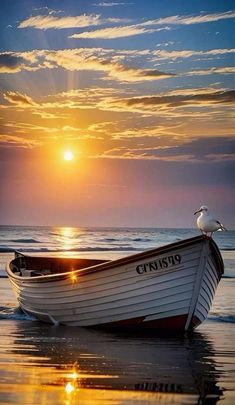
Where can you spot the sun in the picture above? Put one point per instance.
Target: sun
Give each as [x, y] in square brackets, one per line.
[68, 155]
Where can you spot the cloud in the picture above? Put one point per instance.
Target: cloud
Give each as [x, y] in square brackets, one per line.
[113, 33]
[124, 136]
[11, 63]
[8, 141]
[188, 20]
[99, 60]
[203, 149]
[140, 28]
[18, 99]
[227, 70]
[48, 10]
[110, 4]
[180, 100]
[44, 22]
[115, 64]
[51, 21]
[188, 53]
[205, 107]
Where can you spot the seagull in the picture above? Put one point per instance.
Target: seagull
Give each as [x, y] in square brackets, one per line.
[206, 223]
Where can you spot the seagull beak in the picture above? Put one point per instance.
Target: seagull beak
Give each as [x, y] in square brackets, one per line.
[196, 212]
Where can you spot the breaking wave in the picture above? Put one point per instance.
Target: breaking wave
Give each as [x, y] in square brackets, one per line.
[14, 314]
[22, 240]
[222, 318]
[81, 249]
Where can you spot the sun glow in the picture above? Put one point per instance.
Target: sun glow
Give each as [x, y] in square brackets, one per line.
[68, 155]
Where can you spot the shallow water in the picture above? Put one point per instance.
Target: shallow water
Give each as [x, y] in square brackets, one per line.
[44, 364]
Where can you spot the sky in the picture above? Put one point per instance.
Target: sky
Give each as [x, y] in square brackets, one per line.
[140, 92]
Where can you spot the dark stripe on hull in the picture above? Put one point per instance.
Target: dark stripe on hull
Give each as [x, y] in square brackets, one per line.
[176, 323]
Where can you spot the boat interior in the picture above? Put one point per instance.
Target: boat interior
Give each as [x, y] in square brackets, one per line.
[30, 266]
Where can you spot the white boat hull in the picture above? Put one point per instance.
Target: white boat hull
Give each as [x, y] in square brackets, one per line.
[166, 288]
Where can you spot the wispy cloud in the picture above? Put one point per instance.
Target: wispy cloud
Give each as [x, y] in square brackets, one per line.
[45, 22]
[199, 105]
[9, 141]
[188, 53]
[205, 149]
[18, 99]
[227, 70]
[51, 21]
[138, 29]
[110, 4]
[188, 20]
[114, 32]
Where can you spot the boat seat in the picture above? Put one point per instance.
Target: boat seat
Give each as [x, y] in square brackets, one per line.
[35, 273]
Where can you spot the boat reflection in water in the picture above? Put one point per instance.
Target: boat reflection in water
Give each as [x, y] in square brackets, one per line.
[66, 365]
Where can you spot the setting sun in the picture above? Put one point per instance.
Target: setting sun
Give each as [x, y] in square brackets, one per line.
[68, 155]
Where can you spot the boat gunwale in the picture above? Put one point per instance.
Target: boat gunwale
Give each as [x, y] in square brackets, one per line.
[122, 261]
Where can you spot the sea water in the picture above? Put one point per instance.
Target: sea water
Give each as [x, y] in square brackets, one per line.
[75, 239]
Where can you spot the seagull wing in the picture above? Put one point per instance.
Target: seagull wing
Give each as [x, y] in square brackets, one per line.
[221, 226]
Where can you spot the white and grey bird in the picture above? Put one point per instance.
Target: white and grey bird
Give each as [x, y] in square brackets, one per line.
[206, 222]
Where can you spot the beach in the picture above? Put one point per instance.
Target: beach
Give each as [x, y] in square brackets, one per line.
[46, 364]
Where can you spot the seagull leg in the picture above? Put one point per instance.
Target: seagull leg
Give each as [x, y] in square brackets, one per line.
[203, 232]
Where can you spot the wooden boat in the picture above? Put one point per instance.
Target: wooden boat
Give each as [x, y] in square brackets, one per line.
[171, 287]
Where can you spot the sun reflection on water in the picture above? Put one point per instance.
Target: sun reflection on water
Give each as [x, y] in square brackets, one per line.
[69, 388]
[68, 238]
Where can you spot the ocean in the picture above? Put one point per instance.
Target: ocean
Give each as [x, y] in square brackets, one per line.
[45, 364]
[75, 239]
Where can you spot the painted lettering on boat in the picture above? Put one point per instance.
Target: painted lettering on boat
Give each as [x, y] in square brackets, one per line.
[159, 264]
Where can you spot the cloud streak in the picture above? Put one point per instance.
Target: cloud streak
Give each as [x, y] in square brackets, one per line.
[213, 149]
[18, 99]
[110, 4]
[44, 22]
[113, 33]
[189, 20]
[9, 141]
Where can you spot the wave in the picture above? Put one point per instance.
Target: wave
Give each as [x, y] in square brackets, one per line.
[227, 276]
[14, 314]
[6, 249]
[125, 239]
[21, 240]
[222, 318]
[82, 249]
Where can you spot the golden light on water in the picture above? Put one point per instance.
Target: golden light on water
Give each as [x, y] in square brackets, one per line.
[69, 388]
[67, 238]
